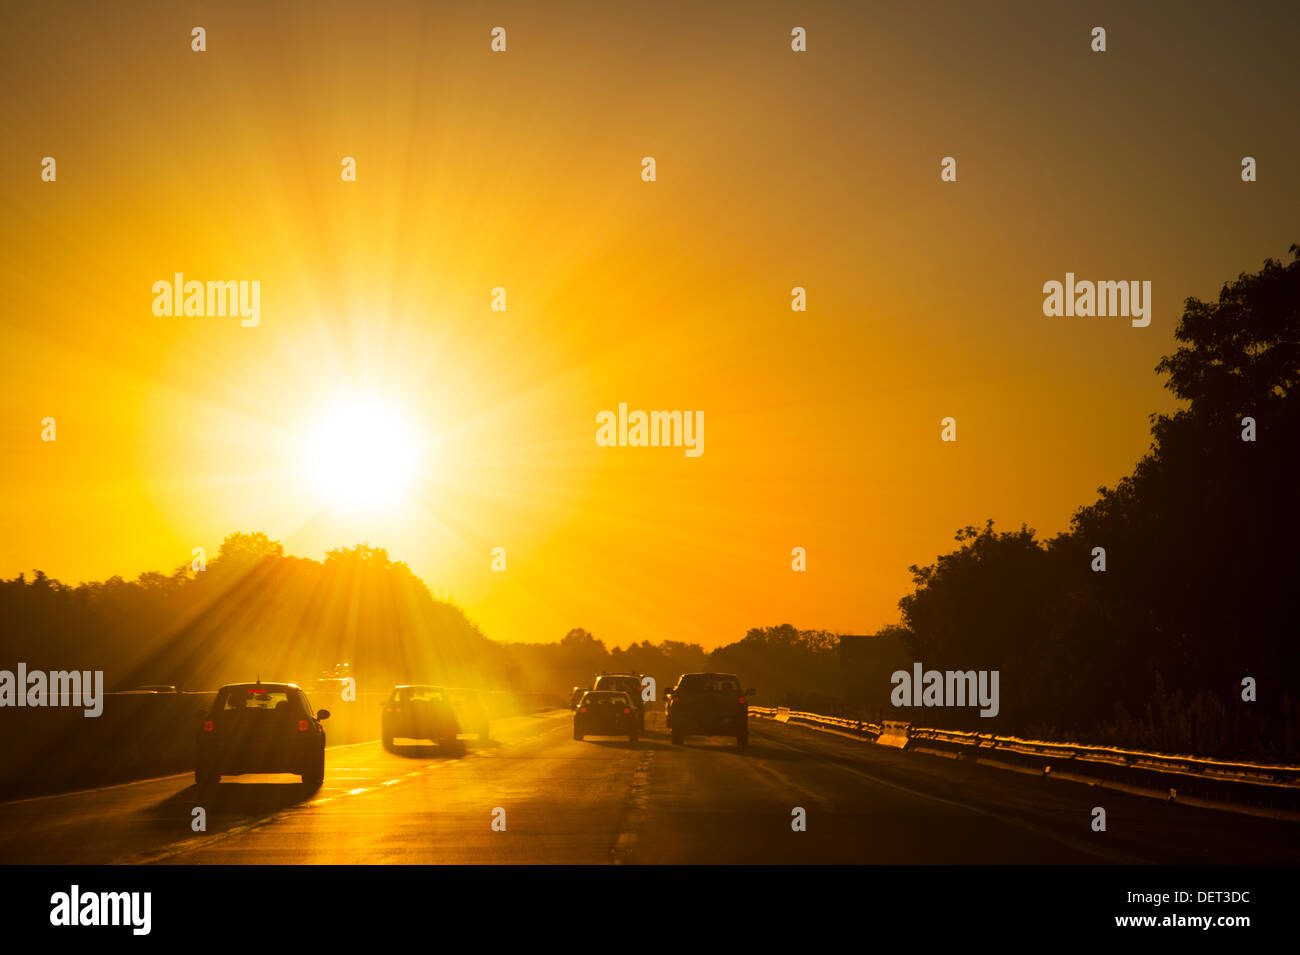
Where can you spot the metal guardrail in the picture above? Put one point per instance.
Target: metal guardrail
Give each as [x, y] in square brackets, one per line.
[1262, 783]
[784, 714]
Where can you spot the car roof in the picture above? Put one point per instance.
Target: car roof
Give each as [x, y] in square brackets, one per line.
[418, 686]
[263, 684]
[708, 673]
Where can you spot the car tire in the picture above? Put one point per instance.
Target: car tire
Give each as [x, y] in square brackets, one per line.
[633, 739]
[742, 739]
[388, 743]
[206, 779]
[578, 736]
[677, 737]
[313, 778]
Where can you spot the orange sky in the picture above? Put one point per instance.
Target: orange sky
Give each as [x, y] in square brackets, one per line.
[522, 170]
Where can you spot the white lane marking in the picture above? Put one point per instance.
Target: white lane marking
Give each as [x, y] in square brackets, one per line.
[640, 796]
[188, 845]
[190, 773]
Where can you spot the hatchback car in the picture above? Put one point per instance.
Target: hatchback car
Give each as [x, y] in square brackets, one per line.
[420, 712]
[629, 683]
[260, 728]
[605, 713]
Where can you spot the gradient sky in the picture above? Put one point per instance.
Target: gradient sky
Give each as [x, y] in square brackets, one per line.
[522, 170]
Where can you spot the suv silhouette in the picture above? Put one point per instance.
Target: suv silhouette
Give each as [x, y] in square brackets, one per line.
[708, 704]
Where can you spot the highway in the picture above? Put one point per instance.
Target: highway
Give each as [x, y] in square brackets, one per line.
[605, 801]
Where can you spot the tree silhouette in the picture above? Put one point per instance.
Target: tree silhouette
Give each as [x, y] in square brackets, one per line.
[1199, 590]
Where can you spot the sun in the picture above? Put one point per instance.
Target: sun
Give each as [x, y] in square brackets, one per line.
[361, 454]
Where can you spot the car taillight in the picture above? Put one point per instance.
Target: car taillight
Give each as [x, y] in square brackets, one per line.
[742, 699]
[303, 726]
[627, 709]
[582, 709]
[207, 726]
[674, 699]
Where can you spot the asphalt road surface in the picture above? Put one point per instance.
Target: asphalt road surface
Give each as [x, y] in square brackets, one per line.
[605, 801]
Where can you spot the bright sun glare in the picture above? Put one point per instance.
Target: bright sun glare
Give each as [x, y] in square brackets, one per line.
[361, 454]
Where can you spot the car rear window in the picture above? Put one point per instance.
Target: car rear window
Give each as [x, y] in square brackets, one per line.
[421, 694]
[258, 699]
[709, 683]
[606, 698]
[628, 684]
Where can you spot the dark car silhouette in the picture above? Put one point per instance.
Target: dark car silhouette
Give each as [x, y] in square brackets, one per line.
[629, 683]
[708, 704]
[260, 728]
[420, 711]
[605, 713]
